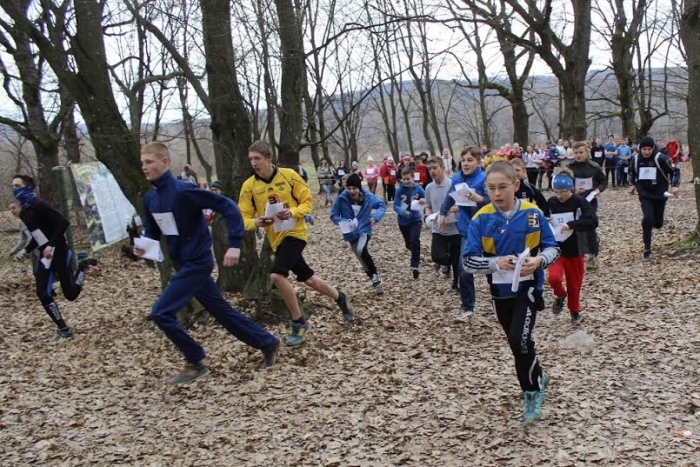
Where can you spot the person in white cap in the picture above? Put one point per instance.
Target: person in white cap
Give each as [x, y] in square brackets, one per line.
[371, 175]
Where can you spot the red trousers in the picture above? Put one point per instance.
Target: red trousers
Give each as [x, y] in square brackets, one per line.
[573, 269]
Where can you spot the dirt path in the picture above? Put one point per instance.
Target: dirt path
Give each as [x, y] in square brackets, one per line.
[404, 386]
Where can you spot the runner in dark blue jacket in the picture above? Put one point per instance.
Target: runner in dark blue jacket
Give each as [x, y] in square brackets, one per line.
[175, 209]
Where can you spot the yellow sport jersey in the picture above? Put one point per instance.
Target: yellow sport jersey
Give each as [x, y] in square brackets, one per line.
[286, 186]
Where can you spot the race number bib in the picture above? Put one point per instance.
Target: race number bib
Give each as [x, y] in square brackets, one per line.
[166, 222]
[647, 173]
[356, 209]
[416, 176]
[585, 183]
[558, 221]
[506, 277]
[392, 173]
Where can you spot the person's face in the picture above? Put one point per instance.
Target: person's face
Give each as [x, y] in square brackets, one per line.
[17, 182]
[353, 192]
[436, 172]
[469, 163]
[611, 139]
[529, 148]
[563, 195]
[418, 161]
[566, 144]
[598, 141]
[580, 154]
[560, 142]
[154, 166]
[407, 180]
[15, 209]
[446, 152]
[189, 171]
[215, 190]
[646, 151]
[324, 162]
[261, 165]
[519, 171]
[502, 190]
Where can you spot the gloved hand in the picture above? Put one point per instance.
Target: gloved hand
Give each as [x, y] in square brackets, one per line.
[19, 256]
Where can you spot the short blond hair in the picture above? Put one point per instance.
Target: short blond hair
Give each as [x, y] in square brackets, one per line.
[156, 148]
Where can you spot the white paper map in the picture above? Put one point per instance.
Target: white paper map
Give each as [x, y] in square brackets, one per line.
[461, 195]
[107, 211]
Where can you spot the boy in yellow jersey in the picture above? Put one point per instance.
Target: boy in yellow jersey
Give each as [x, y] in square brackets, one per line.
[277, 199]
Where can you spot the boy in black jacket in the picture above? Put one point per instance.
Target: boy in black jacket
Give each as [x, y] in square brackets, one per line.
[571, 217]
[651, 173]
[47, 227]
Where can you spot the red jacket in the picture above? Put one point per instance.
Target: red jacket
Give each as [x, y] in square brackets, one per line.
[389, 174]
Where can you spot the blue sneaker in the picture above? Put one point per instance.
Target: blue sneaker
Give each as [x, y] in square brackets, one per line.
[309, 219]
[531, 408]
[298, 336]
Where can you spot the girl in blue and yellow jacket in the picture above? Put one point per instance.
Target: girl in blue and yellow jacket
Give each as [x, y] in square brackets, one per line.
[499, 232]
[356, 205]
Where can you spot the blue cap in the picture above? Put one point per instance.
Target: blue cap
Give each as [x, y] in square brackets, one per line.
[563, 182]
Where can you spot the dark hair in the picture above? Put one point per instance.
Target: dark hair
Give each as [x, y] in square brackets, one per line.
[438, 161]
[472, 151]
[261, 147]
[406, 171]
[26, 179]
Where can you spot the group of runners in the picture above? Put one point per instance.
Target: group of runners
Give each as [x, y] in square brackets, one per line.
[492, 222]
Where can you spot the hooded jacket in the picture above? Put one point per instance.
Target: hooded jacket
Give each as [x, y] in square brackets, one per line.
[343, 210]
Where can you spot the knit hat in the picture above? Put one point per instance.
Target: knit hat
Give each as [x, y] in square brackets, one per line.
[354, 180]
[370, 159]
[354, 164]
[218, 184]
[563, 182]
[647, 142]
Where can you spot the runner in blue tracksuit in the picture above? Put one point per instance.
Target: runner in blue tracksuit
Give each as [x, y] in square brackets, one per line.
[356, 205]
[410, 221]
[498, 233]
[175, 209]
[472, 174]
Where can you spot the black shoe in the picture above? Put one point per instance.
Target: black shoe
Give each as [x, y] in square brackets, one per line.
[64, 333]
[270, 355]
[576, 318]
[191, 372]
[86, 263]
[558, 304]
[454, 289]
[416, 273]
[344, 305]
[647, 255]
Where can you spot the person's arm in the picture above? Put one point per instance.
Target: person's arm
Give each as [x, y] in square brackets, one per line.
[379, 207]
[335, 211]
[541, 202]
[474, 261]
[600, 182]
[305, 202]
[24, 238]
[398, 208]
[204, 199]
[245, 206]
[588, 220]
[50, 216]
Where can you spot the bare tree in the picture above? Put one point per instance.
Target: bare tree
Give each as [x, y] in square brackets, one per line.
[690, 33]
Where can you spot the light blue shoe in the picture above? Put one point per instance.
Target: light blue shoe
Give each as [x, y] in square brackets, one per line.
[298, 334]
[531, 408]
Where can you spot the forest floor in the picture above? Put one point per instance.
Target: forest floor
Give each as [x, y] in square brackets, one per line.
[404, 385]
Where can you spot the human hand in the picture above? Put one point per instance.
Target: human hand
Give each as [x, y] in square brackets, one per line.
[580, 190]
[232, 256]
[138, 251]
[565, 228]
[263, 221]
[48, 252]
[674, 191]
[441, 222]
[530, 264]
[473, 196]
[507, 263]
[284, 214]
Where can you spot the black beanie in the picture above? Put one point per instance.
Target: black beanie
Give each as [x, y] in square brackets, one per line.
[354, 180]
[647, 142]
[218, 184]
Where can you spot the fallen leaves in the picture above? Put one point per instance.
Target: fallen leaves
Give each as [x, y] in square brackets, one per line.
[404, 386]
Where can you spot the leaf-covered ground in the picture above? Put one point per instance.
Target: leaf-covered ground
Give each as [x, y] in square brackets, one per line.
[405, 385]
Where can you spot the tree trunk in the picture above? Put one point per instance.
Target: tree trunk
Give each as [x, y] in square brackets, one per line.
[292, 85]
[690, 34]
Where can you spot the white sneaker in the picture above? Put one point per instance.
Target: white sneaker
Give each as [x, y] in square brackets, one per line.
[465, 316]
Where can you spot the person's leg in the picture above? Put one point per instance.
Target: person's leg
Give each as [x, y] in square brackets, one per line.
[647, 221]
[467, 291]
[391, 191]
[327, 192]
[406, 234]
[186, 282]
[439, 249]
[575, 270]
[364, 258]
[659, 210]
[455, 248]
[532, 176]
[519, 314]
[236, 323]
[555, 277]
[287, 256]
[44, 288]
[414, 244]
[593, 240]
[62, 266]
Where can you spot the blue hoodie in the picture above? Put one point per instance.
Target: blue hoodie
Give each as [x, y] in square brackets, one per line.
[403, 197]
[342, 210]
[186, 203]
[476, 181]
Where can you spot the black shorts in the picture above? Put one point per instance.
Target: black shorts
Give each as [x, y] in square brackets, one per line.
[288, 257]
